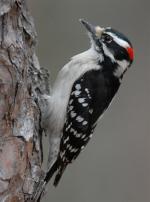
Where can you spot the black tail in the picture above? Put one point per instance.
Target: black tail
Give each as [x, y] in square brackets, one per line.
[51, 172]
[59, 174]
[58, 167]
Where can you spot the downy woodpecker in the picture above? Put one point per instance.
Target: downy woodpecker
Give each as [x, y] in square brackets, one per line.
[82, 92]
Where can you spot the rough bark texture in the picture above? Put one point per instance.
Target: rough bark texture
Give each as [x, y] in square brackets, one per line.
[21, 83]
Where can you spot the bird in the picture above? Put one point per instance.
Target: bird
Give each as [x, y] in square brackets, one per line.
[83, 90]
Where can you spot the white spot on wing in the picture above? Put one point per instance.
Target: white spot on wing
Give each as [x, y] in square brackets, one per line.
[71, 101]
[85, 104]
[91, 111]
[90, 135]
[68, 126]
[78, 86]
[71, 107]
[85, 139]
[79, 119]
[65, 140]
[70, 147]
[74, 150]
[84, 123]
[73, 131]
[73, 114]
[77, 92]
[78, 135]
[83, 136]
[81, 100]
[88, 92]
[62, 154]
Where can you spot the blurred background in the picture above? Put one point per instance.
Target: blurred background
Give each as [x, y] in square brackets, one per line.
[115, 166]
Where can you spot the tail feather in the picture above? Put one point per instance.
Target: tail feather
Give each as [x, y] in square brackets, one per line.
[59, 174]
[52, 170]
[58, 167]
[49, 175]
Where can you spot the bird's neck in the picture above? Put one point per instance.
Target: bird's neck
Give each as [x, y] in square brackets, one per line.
[89, 55]
[115, 67]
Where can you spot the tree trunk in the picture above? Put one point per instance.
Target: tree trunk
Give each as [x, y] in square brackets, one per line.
[22, 82]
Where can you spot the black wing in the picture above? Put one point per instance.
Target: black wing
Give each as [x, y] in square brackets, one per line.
[77, 129]
[90, 96]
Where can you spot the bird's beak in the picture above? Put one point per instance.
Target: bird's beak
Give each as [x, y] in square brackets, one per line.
[94, 30]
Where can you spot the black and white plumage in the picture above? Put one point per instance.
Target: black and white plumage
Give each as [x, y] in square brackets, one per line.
[83, 90]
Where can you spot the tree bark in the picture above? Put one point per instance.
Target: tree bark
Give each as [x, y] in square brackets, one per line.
[22, 82]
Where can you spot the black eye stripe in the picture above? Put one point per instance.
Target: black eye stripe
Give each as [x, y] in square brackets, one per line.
[116, 48]
[107, 38]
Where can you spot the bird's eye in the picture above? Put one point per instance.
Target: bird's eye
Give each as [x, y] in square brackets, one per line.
[107, 38]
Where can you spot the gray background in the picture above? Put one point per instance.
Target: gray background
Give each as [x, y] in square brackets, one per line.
[115, 166]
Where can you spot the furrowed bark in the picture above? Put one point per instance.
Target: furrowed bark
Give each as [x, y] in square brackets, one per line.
[22, 82]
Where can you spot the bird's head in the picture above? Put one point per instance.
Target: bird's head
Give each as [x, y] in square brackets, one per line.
[110, 43]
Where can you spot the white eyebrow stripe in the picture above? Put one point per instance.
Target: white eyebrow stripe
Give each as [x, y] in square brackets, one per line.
[119, 41]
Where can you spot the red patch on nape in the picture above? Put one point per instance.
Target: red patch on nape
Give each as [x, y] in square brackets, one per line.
[131, 53]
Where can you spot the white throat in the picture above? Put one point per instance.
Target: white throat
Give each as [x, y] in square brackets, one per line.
[122, 67]
[122, 64]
